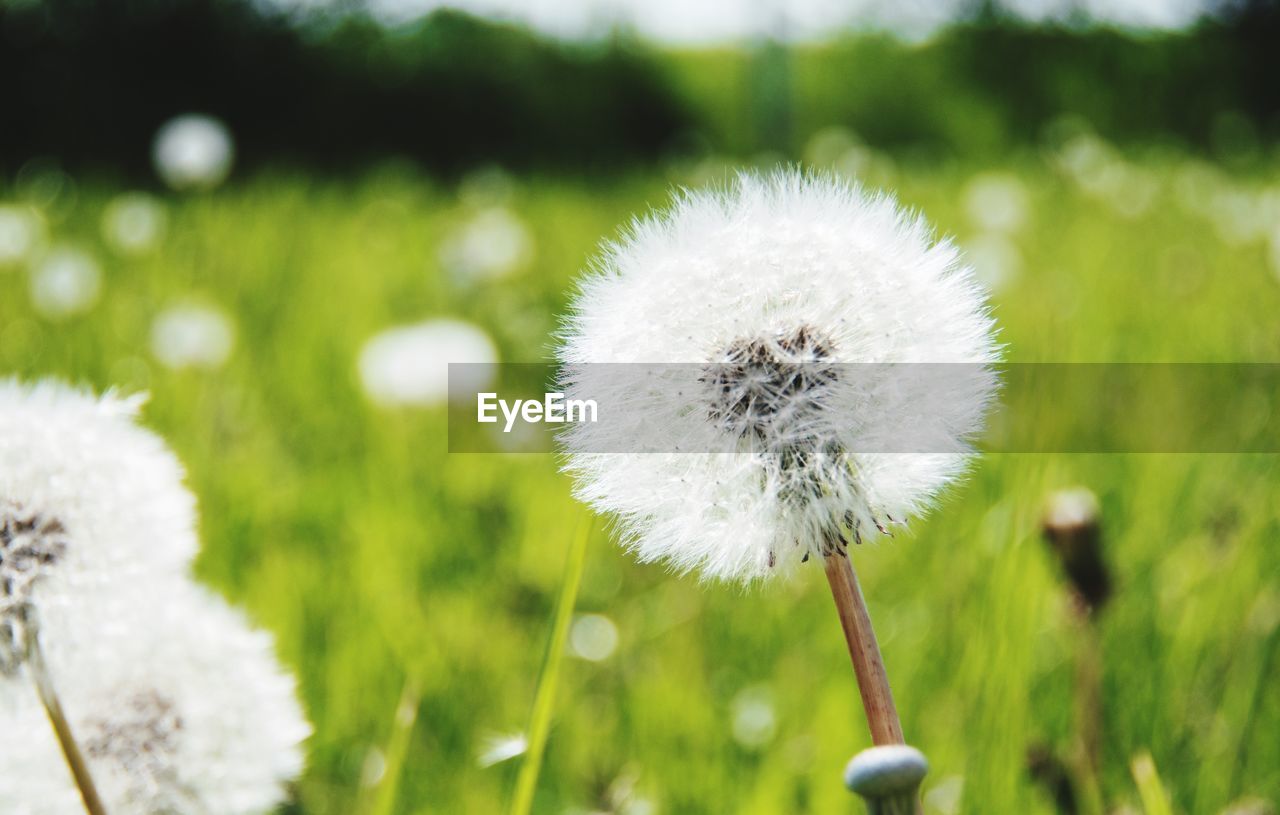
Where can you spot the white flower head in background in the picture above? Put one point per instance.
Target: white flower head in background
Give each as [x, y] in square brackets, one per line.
[767, 295]
[133, 223]
[996, 259]
[409, 365]
[192, 336]
[493, 244]
[91, 506]
[65, 283]
[183, 710]
[997, 202]
[21, 234]
[193, 152]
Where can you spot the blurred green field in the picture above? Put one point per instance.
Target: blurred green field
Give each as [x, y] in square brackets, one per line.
[380, 561]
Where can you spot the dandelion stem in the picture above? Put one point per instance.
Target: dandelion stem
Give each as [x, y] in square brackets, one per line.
[545, 697]
[868, 666]
[53, 707]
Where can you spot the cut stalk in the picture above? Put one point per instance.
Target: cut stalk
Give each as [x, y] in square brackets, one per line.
[868, 665]
[62, 729]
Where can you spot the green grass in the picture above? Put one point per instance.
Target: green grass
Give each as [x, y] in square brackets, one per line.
[382, 562]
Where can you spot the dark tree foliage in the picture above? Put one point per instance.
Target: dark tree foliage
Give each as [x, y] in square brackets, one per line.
[90, 81]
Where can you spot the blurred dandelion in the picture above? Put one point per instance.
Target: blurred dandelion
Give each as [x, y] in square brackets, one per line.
[179, 706]
[754, 721]
[66, 282]
[409, 365]
[70, 465]
[593, 637]
[997, 202]
[92, 515]
[21, 234]
[193, 152]
[996, 260]
[493, 244]
[133, 223]
[192, 336]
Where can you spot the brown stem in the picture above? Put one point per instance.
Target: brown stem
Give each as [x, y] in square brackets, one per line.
[70, 750]
[873, 682]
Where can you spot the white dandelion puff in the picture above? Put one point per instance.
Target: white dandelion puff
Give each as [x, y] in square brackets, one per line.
[65, 283]
[997, 202]
[768, 294]
[192, 336]
[133, 223]
[193, 152]
[755, 722]
[21, 234]
[179, 706]
[996, 260]
[593, 637]
[91, 505]
[493, 244]
[409, 365]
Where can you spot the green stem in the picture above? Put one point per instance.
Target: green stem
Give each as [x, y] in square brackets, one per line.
[544, 700]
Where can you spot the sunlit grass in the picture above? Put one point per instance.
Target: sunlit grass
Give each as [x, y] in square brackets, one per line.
[377, 557]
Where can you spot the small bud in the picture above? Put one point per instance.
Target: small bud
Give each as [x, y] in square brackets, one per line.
[1071, 527]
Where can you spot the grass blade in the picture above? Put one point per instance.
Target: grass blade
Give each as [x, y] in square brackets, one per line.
[544, 699]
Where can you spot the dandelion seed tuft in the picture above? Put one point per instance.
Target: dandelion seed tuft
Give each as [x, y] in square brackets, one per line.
[771, 293]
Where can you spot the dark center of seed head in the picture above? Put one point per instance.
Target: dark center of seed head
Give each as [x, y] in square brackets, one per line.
[771, 387]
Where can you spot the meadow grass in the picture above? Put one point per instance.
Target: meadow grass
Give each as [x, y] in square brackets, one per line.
[381, 562]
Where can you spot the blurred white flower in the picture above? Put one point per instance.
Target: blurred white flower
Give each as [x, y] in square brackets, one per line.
[593, 637]
[91, 506]
[996, 202]
[774, 463]
[21, 234]
[133, 223]
[66, 282]
[192, 336]
[178, 706]
[754, 721]
[498, 749]
[193, 152]
[996, 259]
[409, 365]
[493, 244]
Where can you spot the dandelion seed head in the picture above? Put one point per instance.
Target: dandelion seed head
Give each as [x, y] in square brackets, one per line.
[409, 365]
[30, 546]
[179, 705]
[133, 223]
[192, 336]
[193, 152]
[65, 283]
[21, 233]
[91, 506]
[770, 293]
[493, 244]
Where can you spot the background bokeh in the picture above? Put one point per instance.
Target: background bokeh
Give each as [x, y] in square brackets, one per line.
[355, 195]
